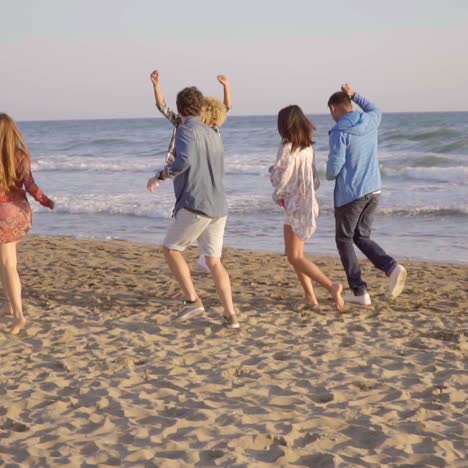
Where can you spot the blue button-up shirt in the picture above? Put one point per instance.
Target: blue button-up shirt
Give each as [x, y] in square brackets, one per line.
[198, 169]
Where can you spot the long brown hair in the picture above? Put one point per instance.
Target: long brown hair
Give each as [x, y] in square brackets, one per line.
[11, 143]
[295, 128]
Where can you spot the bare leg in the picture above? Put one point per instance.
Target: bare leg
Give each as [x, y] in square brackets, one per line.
[12, 284]
[6, 306]
[181, 271]
[306, 282]
[222, 283]
[295, 253]
[309, 293]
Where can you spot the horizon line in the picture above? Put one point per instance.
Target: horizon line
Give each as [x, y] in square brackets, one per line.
[231, 116]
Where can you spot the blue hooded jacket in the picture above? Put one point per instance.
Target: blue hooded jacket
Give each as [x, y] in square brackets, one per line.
[352, 161]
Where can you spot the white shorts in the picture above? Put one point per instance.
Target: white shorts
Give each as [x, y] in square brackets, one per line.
[188, 227]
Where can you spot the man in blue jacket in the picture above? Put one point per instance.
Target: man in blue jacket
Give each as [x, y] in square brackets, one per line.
[354, 166]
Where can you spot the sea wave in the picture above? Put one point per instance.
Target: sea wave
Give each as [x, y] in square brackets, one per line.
[247, 165]
[436, 133]
[142, 205]
[257, 206]
[456, 175]
[429, 167]
[95, 164]
[425, 211]
[438, 140]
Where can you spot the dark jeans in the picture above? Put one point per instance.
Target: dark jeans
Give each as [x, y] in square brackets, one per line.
[353, 223]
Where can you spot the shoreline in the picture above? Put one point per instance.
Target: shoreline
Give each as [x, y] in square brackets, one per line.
[401, 259]
[156, 116]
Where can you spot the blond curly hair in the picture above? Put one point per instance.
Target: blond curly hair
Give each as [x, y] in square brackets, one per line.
[213, 112]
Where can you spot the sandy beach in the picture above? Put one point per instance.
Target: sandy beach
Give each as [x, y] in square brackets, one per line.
[103, 375]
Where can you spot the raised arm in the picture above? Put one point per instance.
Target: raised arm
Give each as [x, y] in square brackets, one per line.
[224, 80]
[31, 187]
[161, 102]
[337, 155]
[367, 106]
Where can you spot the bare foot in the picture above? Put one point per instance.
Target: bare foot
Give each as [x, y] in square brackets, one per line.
[337, 293]
[308, 307]
[18, 326]
[309, 303]
[310, 300]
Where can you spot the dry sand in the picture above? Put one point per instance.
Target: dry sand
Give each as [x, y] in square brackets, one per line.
[102, 376]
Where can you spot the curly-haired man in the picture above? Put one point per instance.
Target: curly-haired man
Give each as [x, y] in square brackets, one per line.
[201, 209]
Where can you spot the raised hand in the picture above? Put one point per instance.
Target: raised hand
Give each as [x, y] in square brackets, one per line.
[155, 76]
[346, 88]
[223, 79]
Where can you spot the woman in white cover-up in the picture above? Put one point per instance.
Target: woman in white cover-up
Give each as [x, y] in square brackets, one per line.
[294, 181]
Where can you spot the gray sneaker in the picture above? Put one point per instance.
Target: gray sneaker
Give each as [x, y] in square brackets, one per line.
[190, 309]
[231, 321]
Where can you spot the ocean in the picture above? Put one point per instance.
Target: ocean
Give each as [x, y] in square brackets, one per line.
[96, 171]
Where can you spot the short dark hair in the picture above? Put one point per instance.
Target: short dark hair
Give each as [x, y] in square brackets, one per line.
[339, 99]
[189, 101]
[295, 128]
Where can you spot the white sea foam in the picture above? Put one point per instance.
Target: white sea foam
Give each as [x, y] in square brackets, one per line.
[160, 206]
[426, 211]
[94, 164]
[256, 164]
[128, 204]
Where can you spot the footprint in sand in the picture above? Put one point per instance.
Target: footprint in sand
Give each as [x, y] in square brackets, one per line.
[10, 425]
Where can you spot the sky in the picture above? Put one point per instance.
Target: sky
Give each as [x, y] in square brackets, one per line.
[70, 59]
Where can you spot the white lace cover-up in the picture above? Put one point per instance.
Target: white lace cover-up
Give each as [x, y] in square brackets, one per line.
[292, 178]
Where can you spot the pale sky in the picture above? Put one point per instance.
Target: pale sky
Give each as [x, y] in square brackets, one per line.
[77, 59]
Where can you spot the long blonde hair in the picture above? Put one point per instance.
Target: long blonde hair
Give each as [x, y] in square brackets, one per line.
[11, 142]
[213, 112]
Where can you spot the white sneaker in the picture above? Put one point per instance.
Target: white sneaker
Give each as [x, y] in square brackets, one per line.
[397, 281]
[202, 264]
[363, 299]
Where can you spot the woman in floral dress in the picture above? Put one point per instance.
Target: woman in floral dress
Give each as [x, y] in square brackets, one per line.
[294, 182]
[15, 213]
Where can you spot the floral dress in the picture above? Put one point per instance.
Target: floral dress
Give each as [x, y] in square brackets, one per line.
[294, 182]
[15, 212]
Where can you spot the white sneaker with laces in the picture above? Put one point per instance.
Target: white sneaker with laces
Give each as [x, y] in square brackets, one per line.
[363, 299]
[397, 281]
